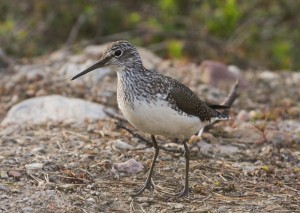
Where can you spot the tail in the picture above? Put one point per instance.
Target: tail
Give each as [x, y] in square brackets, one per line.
[213, 106]
[216, 115]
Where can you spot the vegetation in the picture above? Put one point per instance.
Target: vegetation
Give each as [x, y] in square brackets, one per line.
[247, 33]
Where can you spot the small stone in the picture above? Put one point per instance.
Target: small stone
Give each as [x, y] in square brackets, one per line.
[204, 146]
[90, 200]
[144, 199]
[27, 210]
[268, 76]
[37, 149]
[131, 166]
[121, 144]
[254, 114]
[242, 116]
[227, 149]
[176, 205]
[3, 175]
[223, 209]
[172, 145]
[15, 174]
[90, 128]
[34, 166]
[246, 167]
[271, 78]
[41, 92]
[3, 188]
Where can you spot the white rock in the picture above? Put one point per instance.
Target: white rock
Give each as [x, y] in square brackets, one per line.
[34, 166]
[53, 108]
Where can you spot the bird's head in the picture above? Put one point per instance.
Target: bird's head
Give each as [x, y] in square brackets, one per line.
[119, 56]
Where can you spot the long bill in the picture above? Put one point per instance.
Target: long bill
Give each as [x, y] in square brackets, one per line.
[99, 64]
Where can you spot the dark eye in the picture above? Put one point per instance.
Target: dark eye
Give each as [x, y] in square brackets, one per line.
[118, 53]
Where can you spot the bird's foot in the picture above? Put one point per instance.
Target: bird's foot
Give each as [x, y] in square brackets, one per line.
[184, 193]
[194, 139]
[148, 185]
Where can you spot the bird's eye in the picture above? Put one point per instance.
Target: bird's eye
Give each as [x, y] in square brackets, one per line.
[118, 53]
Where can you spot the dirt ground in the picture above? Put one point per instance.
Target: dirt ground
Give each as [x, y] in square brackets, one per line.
[58, 167]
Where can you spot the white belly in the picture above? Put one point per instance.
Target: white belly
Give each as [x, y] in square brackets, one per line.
[160, 119]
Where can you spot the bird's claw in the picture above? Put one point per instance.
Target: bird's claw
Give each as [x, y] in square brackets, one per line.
[148, 185]
[184, 193]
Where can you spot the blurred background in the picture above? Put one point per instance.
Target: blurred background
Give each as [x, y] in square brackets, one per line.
[256, 34]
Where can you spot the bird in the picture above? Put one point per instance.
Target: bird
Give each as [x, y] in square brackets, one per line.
[156, 104]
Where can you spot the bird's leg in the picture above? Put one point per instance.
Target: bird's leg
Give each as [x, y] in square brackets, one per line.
[148, 183]
[185, 191]
[200, 132]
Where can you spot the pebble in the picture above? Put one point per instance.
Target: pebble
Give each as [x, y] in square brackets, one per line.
[131, 166]
[34, 166]
[204, 146]
[268, 76]
[223, 209]
[176, 205]
[242, 116]
[172, 145]
[121, 144]
[37, 149]
[15, 174]
[227, 149]
[272, 78]
[3, 188]
[27, 210]
[90, 200]
[144, 199]
[3, 175]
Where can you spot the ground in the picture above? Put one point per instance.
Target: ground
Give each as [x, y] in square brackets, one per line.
[248, 164]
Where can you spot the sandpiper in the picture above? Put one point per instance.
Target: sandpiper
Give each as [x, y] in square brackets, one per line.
[154, 103]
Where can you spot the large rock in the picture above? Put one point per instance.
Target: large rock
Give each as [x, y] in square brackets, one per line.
[53, 108]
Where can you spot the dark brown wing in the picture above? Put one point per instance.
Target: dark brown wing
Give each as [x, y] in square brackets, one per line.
[189, 103]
